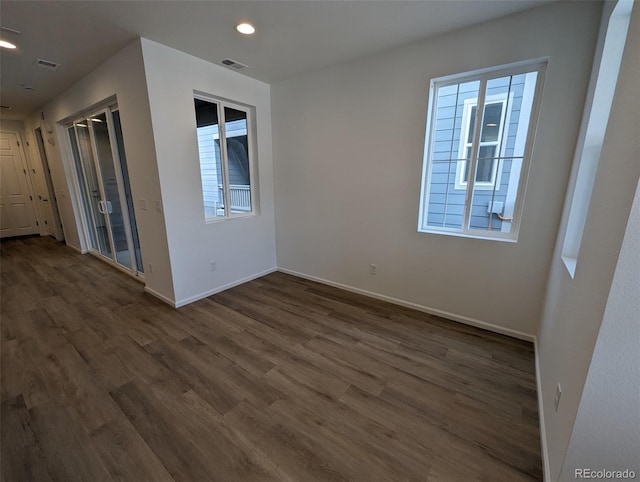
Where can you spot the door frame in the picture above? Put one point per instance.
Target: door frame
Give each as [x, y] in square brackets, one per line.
[46, 170]
[69, 123]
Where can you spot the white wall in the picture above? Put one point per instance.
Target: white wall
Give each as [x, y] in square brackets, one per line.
[242, 248]
[348, 149]
[574, 308]
[121, 76]
[606, 433]
[10, 125]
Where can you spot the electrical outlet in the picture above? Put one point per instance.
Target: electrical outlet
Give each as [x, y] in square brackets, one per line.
[213, 266]
[373, 269]
[556, 399]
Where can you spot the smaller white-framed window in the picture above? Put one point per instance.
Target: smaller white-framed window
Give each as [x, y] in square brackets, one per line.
[490, 144]
[226, 150]
[616, 18]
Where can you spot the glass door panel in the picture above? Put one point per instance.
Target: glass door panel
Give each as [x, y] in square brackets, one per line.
[111, 190]
[93, 195]
[89, 215]
[117, 129]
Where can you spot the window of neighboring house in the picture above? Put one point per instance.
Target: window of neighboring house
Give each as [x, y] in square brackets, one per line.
[489, 143]
[481, 123]
[225, 151]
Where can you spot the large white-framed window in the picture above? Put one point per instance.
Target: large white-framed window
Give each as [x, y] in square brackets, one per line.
[226, 150]
[479, 122]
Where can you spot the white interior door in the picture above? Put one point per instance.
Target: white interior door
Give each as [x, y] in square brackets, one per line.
[17, 213]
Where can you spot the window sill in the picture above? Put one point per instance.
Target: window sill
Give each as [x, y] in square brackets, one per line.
[476, 186]
[230, 218]
[570, 263]
[503, 239]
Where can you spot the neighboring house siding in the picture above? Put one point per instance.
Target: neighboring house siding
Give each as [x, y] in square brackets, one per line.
[447, 150]
[210, 166]
[209, 151]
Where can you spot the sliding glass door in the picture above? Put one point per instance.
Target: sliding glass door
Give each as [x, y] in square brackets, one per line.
[109, 219]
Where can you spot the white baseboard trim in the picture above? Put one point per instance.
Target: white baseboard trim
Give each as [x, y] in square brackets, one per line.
[76, 249]
[425, 309]
[543, 433]
[160, 296]
[208, 293]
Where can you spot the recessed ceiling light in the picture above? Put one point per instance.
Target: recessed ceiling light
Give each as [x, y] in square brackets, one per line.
[246, 28]
[7, 45]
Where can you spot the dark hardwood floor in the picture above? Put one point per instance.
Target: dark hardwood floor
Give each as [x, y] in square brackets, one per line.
[278, 379]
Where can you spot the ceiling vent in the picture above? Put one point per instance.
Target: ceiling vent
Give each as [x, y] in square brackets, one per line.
[47, 64]
[233, 64]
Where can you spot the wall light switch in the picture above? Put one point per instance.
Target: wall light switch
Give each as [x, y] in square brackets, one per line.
[143, 204]
[159, 206]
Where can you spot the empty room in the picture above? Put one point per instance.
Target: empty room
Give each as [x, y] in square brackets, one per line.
[299, 240]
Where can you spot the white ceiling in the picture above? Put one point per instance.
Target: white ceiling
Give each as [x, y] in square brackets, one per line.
[292, 37]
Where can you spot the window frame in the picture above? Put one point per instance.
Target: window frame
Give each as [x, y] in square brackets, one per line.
[249, 110]
[539, 66]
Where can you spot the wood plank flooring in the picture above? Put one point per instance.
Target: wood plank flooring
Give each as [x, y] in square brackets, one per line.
[279, 379]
